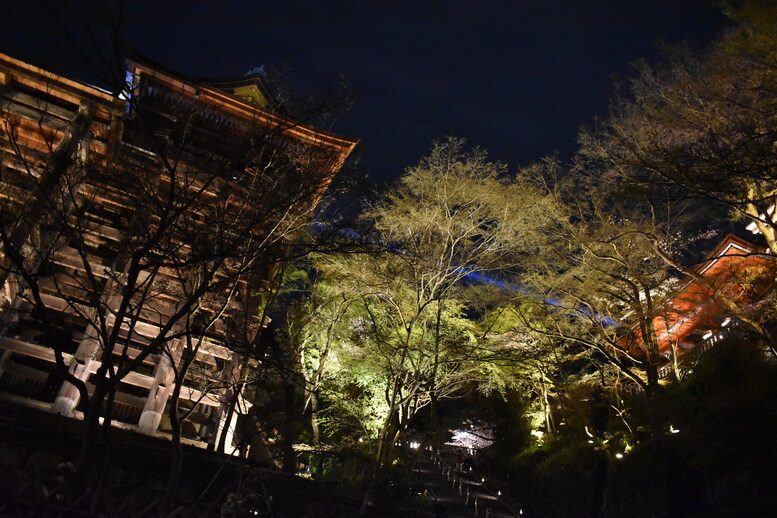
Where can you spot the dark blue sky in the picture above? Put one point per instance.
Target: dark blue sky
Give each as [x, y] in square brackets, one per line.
[518, 78]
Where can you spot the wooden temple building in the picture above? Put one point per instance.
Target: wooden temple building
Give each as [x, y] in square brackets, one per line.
[733, 278]
[139, 232]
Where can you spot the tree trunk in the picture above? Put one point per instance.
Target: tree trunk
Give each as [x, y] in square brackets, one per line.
[434, 418]
[599, 485]
[386, 438]
[600, 414]
[549, 428]
[176, 455]
[105, 440]
[384, 444]
[231, 404]
[289, 461]
[315, 433]
[91, 433]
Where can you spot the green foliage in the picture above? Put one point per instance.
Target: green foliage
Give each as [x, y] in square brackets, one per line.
[722, 411]
[382, 335]
[712, 454]
[593, 258]
[355, 405]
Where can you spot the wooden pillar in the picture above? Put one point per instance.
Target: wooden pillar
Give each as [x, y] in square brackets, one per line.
[83, 360]
[4, 358]
[67, 398]
[10, 302]
[224, 427]
[160, 391]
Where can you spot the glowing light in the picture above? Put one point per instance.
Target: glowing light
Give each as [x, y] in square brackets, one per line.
[590, 441]
[618, 455]
[707, 335]
[672, 429]
[589, 434]
[725, 322]
[498, 493]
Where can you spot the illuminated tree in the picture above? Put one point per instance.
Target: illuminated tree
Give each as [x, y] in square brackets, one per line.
[604, 296]
[316, 326]
[698, 130]
[452, 217]
[703, 125]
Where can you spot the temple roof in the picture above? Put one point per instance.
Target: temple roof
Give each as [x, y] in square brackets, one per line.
[243, 97]
[251, 87]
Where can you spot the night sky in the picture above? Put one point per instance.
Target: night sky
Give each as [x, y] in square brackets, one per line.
[518, 78]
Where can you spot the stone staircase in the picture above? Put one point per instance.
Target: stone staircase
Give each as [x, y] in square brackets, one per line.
[456, 491]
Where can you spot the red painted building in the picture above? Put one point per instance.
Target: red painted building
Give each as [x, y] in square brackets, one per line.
[735, 275]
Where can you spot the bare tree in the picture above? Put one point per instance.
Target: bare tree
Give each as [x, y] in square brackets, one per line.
[702, 124]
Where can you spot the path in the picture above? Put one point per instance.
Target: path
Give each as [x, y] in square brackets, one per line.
[458, 492]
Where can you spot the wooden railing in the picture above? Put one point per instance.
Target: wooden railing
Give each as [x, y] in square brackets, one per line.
[692, 355]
